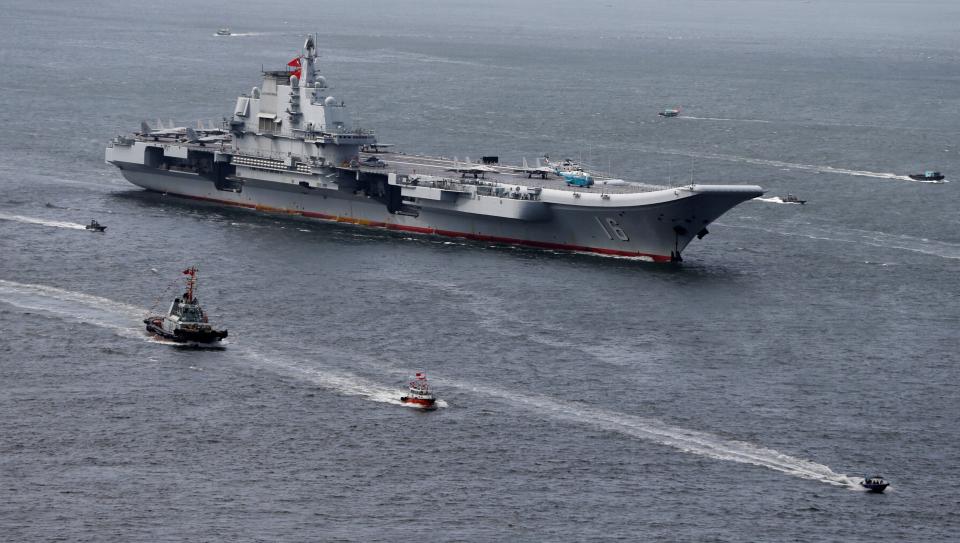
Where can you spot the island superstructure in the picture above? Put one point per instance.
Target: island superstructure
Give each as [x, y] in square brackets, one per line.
[291, 148]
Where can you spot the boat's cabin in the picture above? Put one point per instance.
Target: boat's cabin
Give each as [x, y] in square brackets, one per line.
[930, 173]
[418, 388]
[186, 312]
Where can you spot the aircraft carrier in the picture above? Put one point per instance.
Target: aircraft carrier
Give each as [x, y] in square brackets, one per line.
[290, 148]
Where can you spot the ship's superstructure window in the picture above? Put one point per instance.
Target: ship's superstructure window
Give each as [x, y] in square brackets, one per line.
[267, 125]
[190, 314]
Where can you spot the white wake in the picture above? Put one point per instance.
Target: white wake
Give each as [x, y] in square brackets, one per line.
[775, 200]
[124, 319]
[42, 222]
[689, 441]
[724, 119]
[789, 165]
[121, 318]
[490, 315]
[902, 242]
[336, 380]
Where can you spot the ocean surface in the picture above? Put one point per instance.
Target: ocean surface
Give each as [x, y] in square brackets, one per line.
[736, 397]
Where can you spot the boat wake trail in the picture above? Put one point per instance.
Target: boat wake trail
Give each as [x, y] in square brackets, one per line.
[43, 222]
[838, 234]
[723, 119]
[787, 165]
[507, 322]
[344, 383]
[775, 200]
[243, 34]
[689, 441]
[123, 319]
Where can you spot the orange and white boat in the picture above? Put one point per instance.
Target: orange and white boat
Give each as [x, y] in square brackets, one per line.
[420, 394]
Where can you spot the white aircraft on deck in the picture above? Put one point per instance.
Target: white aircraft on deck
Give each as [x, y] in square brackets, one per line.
[172, 132]
[194, 137]
[470, 168]
[542, 171]
[210, 130]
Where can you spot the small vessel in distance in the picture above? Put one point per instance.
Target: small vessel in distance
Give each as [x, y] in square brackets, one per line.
[94, 226]
[791, 199]
[672, 112]
[874, 484]
[420, 394]
[928, 175]
[185, 321]
[225, 31]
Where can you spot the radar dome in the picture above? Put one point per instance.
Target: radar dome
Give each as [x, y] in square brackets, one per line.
[255, 93]
[330, 101]
[321, 82]
[294, 81]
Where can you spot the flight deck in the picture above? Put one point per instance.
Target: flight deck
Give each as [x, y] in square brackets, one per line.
[414, 164]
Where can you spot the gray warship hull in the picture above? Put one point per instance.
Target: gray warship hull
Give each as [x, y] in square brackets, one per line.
[289, 149]
[657, 232]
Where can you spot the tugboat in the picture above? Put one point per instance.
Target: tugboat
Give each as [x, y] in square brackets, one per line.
[874, 484]
[791, 199]
[928, 175]
[420, 394]
[94, 226]
[670, 113]
[185, 321]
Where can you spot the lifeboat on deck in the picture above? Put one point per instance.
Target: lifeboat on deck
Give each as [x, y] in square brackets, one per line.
[420, 394]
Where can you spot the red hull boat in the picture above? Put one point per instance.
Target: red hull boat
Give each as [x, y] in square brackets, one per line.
[420, 394]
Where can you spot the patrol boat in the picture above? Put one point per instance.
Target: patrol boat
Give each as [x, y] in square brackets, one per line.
[185, 321]
[420, 394]
[290, 147]
[791, 199]
[95, 226]
[928, 175]
[874, 484]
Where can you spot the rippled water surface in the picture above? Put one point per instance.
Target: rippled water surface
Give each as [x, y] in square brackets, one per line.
[736, 397]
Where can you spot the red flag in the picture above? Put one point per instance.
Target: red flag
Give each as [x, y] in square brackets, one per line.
[188, 271]
[295, 63]
[421, 375]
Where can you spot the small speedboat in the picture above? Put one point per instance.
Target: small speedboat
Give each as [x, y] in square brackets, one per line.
[420, 394]
[928, 175]
[94, 226]
[791, 199]
[223, 32]
[874, 484]
[669, 113]
[185, 321]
